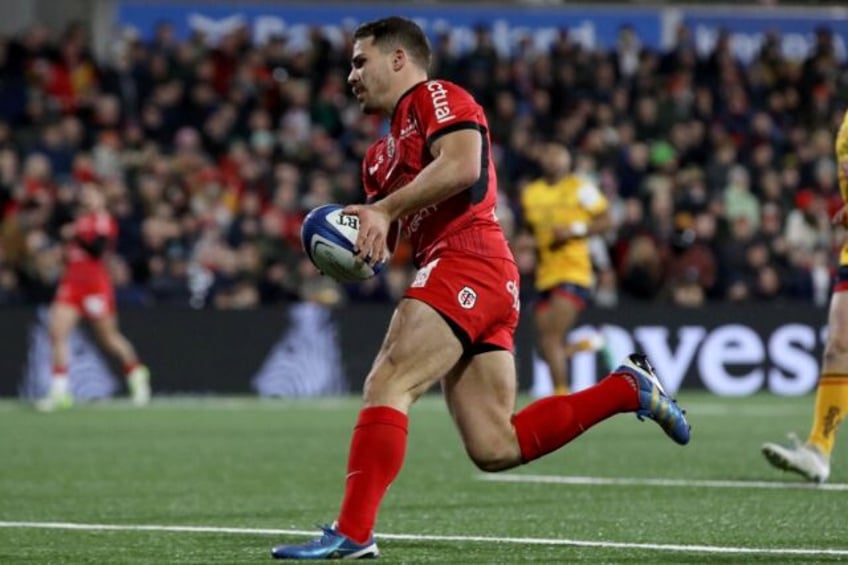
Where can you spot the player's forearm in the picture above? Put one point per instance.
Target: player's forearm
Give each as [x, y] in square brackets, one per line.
[94, 247]
[598, 225]
[442, 178]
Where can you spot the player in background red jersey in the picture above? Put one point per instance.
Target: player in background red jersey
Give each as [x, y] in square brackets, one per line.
[434, 174]
[86, 291]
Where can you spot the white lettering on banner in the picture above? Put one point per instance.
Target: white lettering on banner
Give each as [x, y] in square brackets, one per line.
[732, 344]
[214, 28]
[745, 46]
[266, 27]
[440, 101]
[505, 34]
[729, 360]
[795, 371]
[655, 343]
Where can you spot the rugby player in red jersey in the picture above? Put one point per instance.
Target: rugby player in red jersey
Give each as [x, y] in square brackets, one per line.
[434, 174]
[86, 291]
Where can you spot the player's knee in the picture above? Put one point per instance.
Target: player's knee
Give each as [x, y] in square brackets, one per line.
[836, 351]
[547, 338]
[493, 458]
[389, 381]
[56, 332]
[492, 462]
[107, 339]
[382, 388]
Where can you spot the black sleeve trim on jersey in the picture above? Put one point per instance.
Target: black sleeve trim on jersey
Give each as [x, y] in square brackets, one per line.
[455, 127]
[96, 247]
[478, 189]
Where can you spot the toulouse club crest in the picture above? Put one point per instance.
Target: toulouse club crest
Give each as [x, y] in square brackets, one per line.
[467, 297]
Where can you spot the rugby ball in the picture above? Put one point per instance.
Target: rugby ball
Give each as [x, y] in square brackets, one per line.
[328, 237]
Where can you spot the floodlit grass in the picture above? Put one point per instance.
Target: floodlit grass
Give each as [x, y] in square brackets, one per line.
[254, 465]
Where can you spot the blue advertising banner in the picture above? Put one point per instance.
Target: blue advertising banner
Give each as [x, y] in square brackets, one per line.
[748, 29]
[593, 27]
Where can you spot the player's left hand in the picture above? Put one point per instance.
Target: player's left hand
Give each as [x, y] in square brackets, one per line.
[374, 223]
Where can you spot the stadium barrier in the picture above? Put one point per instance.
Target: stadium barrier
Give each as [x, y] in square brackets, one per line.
[593, 27]
[308, 350]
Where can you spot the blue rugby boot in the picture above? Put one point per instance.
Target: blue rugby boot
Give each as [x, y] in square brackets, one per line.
[654, 403]
[330, 545]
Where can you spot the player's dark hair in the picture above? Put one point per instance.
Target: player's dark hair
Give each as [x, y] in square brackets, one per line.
[394, 32]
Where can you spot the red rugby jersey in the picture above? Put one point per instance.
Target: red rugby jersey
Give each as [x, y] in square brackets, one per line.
[88, 227]
[464, 222]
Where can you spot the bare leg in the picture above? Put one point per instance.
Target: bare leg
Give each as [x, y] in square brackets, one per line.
[832, 391]
[553, 320]
[481, 395]
[419, 349]
[812, 459]
[113, 341]
[61, 322]
[136, 374]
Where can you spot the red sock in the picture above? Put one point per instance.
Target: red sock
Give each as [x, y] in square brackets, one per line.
[130, 367]
[60, 371]
[549, 423]
[376, 455]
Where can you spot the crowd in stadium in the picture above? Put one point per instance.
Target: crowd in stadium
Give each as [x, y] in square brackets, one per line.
[721, 176]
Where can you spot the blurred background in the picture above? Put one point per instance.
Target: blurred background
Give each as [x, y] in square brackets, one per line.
[214, 126]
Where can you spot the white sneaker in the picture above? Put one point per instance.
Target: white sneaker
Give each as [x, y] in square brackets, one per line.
[58, 397]
[597, 341]
[801, 458]
[138, 382]
[593, 342]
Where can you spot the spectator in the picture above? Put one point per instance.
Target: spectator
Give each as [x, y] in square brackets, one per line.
[213, 154]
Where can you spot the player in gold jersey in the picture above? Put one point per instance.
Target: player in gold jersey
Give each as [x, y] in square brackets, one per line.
[562, 210]
[812, 458]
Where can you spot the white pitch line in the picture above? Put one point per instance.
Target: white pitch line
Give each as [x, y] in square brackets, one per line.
[437, 538]
[685, 483]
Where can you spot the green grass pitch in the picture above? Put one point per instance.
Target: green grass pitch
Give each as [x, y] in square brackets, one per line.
[249, 473]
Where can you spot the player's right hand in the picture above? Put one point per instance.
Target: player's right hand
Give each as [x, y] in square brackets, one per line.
[374, 226]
